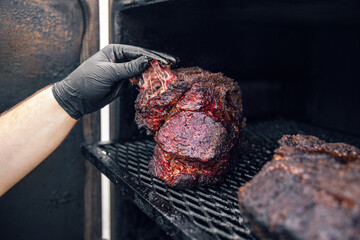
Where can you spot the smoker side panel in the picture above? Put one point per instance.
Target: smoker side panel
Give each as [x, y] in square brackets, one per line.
[40, 44]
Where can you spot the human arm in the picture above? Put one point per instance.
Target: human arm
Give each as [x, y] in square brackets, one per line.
[34, 128]
[28, 134]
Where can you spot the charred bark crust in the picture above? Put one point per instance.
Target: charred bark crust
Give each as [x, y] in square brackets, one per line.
[196, 117]
[310, 190]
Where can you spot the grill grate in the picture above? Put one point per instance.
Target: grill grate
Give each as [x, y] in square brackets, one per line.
[201, 213]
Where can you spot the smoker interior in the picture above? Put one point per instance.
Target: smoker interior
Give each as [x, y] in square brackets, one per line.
[293, 60]
[202, 213]
[296, 59]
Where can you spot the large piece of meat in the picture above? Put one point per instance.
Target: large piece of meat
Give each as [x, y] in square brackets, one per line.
[310, 190]
[197, 118]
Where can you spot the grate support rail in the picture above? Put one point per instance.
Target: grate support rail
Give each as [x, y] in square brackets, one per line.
[202, 213]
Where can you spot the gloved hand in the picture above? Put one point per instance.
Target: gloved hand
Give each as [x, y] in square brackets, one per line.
[97, 81]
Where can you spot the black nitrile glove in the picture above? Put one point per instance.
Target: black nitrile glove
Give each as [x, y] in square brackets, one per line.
[98, 80]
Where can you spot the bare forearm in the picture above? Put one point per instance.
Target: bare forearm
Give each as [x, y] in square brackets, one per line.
[28, 134]
[33, 129]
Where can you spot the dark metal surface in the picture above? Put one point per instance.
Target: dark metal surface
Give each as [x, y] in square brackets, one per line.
[40, 43]
[283, 54]
[126, 4]
[201, 213]
[91, 127]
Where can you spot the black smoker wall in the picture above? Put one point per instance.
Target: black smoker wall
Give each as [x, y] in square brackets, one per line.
[296, 59]
[40, 43]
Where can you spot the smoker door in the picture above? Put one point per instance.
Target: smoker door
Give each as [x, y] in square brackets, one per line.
[41, 43]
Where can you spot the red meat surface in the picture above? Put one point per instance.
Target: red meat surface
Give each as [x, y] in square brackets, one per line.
[196, 117]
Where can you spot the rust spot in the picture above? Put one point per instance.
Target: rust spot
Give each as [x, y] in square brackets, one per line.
[40, 36]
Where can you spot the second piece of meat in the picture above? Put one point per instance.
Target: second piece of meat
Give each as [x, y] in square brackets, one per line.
[310, 190]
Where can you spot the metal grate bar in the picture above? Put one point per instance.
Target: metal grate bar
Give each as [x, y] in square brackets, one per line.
[202, 213]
